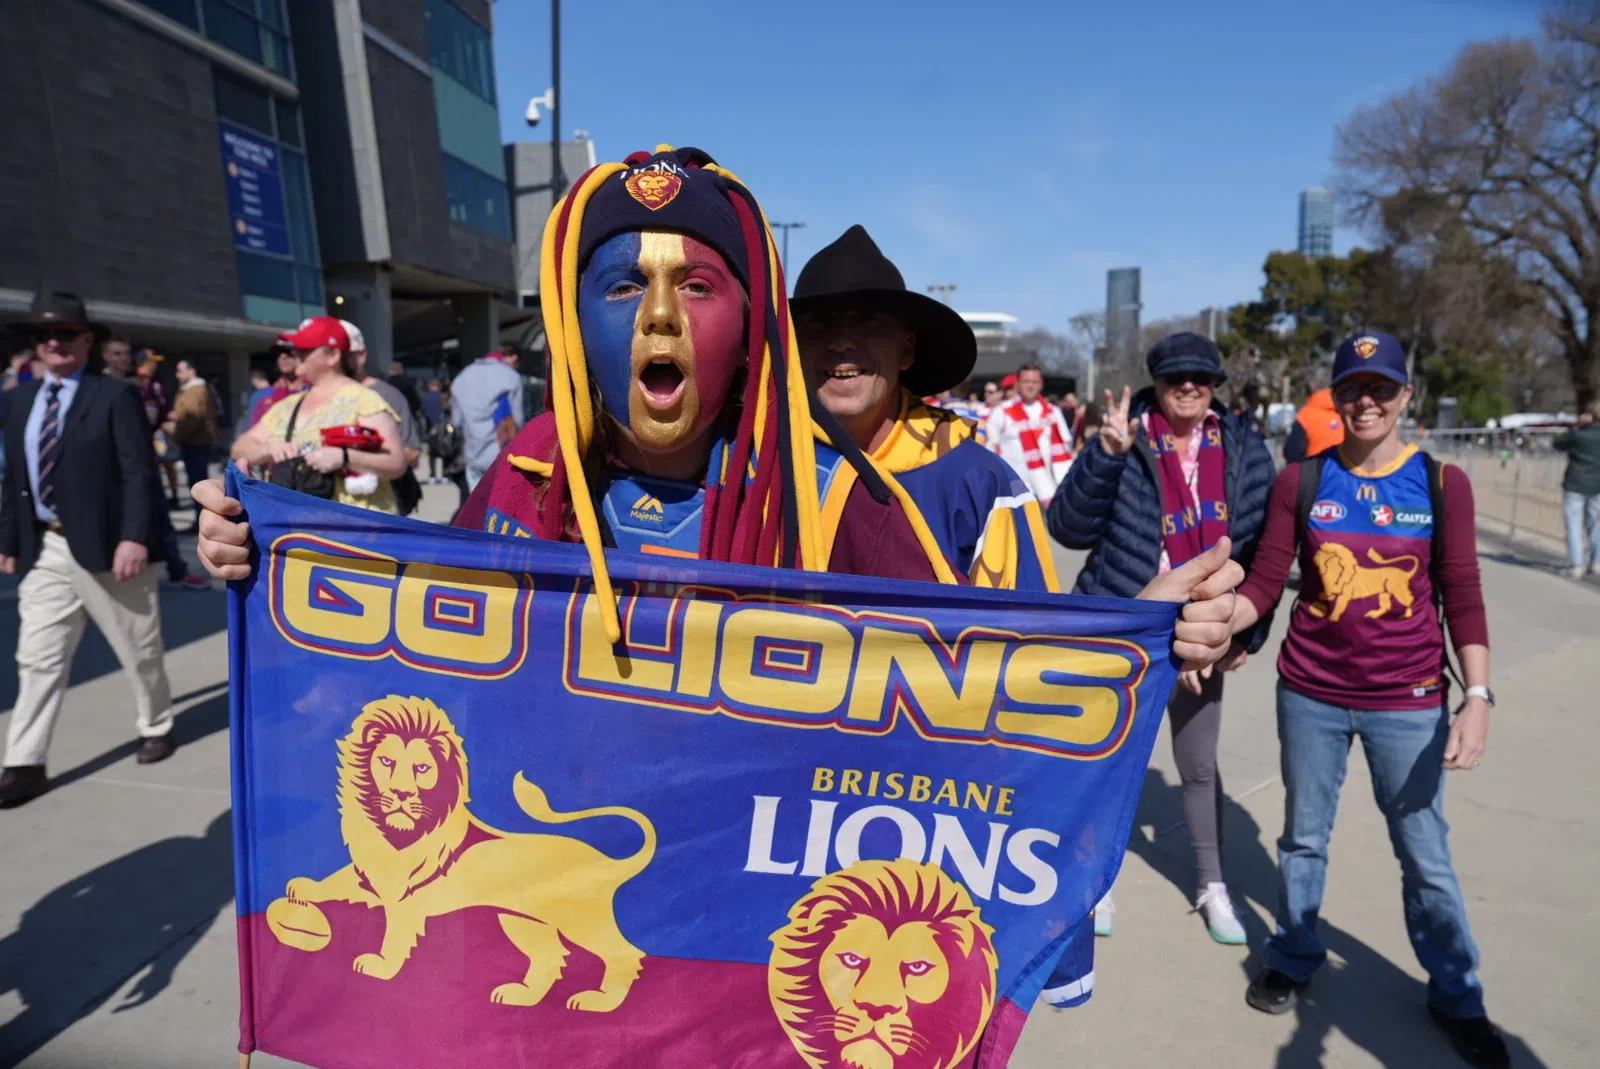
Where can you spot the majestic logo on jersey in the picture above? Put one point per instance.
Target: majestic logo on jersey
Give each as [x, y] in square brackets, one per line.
[1382, 515]
[1327, 512]
[1365, 346]
[648, 508]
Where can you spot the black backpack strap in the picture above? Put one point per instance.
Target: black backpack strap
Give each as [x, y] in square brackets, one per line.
[1310, 484]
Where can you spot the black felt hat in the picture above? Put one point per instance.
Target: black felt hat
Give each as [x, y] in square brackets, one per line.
[854, 273]
[57, 308]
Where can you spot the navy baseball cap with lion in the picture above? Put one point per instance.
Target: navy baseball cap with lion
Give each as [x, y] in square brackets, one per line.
[1371, 353]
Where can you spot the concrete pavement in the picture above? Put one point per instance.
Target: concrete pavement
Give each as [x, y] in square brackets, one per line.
[116, 918]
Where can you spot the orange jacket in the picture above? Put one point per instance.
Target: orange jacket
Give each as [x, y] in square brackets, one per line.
[1321, 423]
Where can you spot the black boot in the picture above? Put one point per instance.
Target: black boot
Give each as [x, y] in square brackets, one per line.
[1274, 992]
[1475, 1039]
[22, 784]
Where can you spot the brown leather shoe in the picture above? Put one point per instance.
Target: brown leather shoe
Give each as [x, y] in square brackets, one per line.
[158, 748]
[22, 784]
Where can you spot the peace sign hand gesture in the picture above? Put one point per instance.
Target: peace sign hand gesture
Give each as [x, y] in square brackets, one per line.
[1116, 438]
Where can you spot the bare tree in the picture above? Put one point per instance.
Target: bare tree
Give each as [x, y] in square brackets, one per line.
[1506, 143]
[1089, 338]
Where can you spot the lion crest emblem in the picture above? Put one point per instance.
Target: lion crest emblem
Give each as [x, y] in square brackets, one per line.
[885, 965]
[417, 852]
[1345, 579]
[1365, 346]
[654, 189]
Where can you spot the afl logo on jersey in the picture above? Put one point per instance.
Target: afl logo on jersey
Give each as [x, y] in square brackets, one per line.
[1327, 512]
[1382, 515]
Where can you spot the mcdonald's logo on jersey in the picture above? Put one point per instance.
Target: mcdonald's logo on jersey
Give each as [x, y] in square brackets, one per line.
[1367, 492]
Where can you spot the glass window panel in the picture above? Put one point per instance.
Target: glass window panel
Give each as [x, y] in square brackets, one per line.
[297, 199]
[469, 126]
[232, 28]
[275, 51]
[288, 122]
[243, 103]
[177, 10]
[272, 15]
[477, 200]
[265, 276]
[310, 284]
[461, 48]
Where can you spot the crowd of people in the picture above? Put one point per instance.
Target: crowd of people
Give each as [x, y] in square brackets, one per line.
[1174, 496]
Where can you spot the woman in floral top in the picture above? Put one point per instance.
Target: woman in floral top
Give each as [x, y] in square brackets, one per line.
[334, 398]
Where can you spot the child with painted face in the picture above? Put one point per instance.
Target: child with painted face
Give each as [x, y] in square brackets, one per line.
[679, 422]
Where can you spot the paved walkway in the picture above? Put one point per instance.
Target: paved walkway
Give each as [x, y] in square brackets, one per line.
[116, 916]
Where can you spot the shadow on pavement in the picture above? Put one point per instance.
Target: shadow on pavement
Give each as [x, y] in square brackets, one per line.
[1359, 992]
[193, 724]
[79, 944]
[186, 616]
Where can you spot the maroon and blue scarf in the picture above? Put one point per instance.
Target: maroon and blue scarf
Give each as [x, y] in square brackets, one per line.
[1189, 528]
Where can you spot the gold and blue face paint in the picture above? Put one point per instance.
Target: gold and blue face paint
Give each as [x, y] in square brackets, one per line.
[663, 321]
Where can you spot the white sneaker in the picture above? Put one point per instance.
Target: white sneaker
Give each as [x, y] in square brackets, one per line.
[1104, 911]
[1575, 572]
[1221, 920]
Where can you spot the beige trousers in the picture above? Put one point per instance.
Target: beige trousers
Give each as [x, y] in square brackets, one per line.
[53, 599]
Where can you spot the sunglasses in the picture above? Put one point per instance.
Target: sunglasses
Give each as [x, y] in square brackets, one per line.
[58, 334]
[1201, 379]
[1382, 391]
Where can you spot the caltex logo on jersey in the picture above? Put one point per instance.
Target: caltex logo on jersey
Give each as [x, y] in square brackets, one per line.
[1327, 512]
[1365, 346]
[1382, 515]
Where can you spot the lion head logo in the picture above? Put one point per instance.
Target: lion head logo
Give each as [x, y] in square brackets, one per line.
[404, 768]
[885, 965]
[653, 189]
[1365, 346]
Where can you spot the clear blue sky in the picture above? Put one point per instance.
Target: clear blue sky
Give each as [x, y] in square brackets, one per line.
[1016, 149]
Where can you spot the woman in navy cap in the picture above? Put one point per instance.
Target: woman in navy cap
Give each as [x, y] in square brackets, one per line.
[1381, 572]
[1169, 473]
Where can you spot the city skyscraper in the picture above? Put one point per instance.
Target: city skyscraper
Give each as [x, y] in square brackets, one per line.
[1316, 222]
[1122, 311]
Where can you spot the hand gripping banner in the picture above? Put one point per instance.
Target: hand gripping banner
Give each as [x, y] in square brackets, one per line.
[792, 820]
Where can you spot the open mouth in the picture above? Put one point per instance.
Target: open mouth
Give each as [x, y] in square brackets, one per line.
[842, 372]
[662, 381]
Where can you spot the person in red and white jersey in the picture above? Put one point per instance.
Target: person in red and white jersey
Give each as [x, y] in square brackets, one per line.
[1031, 435]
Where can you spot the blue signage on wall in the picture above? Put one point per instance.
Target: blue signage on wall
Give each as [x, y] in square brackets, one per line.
[255, 193]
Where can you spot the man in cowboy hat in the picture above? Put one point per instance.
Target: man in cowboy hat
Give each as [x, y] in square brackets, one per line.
[872, 349]
[77, 522]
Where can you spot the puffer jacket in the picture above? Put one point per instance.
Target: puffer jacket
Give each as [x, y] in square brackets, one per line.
[1113, 506]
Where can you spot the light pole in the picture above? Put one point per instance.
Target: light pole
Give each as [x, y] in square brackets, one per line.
[943, 290]
[558, 181]
[786, 227]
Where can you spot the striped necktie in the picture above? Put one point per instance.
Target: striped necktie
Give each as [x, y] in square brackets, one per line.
[50, 446]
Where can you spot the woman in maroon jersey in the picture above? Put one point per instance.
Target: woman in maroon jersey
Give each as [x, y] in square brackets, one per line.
[1365, 658]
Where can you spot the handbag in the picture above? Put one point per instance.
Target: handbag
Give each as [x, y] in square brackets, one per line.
[295, 473]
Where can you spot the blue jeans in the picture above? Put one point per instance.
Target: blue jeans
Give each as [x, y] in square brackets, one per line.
[1583, 516]
[1405, 751]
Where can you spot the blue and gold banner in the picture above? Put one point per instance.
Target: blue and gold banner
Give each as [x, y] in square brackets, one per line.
[791, 820]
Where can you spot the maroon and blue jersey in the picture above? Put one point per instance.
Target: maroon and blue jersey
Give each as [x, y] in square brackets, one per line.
[1365, 622]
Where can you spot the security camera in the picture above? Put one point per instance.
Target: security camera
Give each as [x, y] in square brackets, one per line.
[548, 100]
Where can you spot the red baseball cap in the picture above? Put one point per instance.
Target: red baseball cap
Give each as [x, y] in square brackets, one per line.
[1009, 381]
[316, 332]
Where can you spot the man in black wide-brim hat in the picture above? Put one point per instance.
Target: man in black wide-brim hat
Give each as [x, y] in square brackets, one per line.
[872, 349]
[77, 522]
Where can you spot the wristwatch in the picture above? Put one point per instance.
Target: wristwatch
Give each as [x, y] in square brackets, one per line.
[1482, 692]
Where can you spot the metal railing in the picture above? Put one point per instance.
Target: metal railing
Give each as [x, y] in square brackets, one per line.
[1516, 480]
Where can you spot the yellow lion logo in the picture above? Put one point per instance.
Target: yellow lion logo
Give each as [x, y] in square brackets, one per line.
[1344, 580]
[653, 189]
[885, 965]
[416, 852]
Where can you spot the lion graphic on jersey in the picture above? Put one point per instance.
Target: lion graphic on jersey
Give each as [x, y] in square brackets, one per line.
[1344, 579]
[416, 852]
[885, 965]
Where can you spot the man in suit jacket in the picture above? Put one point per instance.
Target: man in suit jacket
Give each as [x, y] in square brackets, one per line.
[77, 523]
